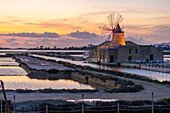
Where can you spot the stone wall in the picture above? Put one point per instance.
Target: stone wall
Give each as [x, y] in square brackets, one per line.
[45, 75]
[95, 81]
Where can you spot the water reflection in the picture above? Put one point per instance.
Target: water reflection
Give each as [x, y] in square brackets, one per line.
[7, 61]
[8, 75]
[23, 82]
[66, 60]
[12, 71]
[151, 74]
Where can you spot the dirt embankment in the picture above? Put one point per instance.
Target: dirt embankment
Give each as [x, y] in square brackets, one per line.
[51, 74]
[95, 80]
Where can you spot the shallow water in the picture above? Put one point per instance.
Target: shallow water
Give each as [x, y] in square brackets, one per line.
[7, 61]
[151, 74]
[24, 82]
[14, 77]
[11, 71]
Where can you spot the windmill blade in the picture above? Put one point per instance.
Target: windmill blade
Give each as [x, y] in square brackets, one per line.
[116, 18]
[112, 22]
[109, 21]
[121, 19]
[116, 22]
[113, 19]
[105, 31]
[105, 28]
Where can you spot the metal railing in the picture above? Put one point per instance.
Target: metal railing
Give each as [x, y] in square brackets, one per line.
[98, 109]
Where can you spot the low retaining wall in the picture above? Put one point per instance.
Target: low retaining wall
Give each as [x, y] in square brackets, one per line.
[94, 81]
[44, 74]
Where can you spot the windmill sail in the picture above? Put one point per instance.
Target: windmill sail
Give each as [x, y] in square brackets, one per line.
[115, 30]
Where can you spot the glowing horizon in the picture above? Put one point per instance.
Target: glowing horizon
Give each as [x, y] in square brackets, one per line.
[141, 18]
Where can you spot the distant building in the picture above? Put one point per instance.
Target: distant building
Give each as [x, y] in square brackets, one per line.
[117, 50]
[130, 52]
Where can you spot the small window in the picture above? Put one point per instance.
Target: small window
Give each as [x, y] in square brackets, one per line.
[151, 57]
[130, 58]
[136, 50]
[130, 50]
[112, 58]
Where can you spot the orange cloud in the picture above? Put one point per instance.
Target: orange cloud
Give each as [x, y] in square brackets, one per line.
[61, 26]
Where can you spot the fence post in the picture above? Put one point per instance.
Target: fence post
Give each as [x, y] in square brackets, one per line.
[82, 103]
[14, 105]
[46, 110]
[152, 104]
[1, 103]
[118, 108]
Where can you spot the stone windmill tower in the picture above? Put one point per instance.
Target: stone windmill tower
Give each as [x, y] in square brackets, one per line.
[115, 32]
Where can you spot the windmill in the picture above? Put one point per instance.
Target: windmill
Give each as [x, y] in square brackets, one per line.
[115, 32]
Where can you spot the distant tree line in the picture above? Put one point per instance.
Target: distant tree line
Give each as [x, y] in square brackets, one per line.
[65, 48]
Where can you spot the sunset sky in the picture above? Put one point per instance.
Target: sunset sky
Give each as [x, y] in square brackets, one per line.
[144, 20]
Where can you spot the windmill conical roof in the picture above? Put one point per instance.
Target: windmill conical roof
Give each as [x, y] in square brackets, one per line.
[118, 29]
